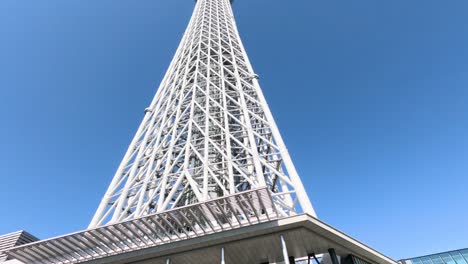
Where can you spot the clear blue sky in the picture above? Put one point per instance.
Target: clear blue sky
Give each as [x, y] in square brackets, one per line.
[371, 98]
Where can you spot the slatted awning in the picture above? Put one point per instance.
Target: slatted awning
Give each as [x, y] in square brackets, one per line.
[221, 214]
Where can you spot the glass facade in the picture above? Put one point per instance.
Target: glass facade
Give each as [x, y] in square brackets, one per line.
[451, 257]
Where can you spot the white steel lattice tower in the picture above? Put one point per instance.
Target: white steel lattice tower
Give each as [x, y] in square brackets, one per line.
[207, 133]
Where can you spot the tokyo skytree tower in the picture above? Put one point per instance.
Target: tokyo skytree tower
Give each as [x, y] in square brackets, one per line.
[208, 132]
[206, 179]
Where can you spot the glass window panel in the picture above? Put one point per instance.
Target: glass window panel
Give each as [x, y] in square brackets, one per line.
[421, 261]
[458, 258]
[436, 260]
[464, 253]
[416, 261]
[426, 260]
[447, 259]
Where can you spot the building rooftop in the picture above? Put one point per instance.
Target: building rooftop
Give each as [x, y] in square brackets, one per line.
[459, 256]
[14, 239]
[250, 224]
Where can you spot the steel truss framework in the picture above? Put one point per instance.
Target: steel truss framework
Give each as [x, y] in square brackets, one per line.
[208, 132]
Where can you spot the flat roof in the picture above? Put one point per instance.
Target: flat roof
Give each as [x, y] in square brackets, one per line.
[245, 224]
[258, 243]
[187, 222]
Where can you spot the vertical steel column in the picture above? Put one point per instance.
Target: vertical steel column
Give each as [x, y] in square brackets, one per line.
[285, 250]
[333, 257]
[222, 256]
